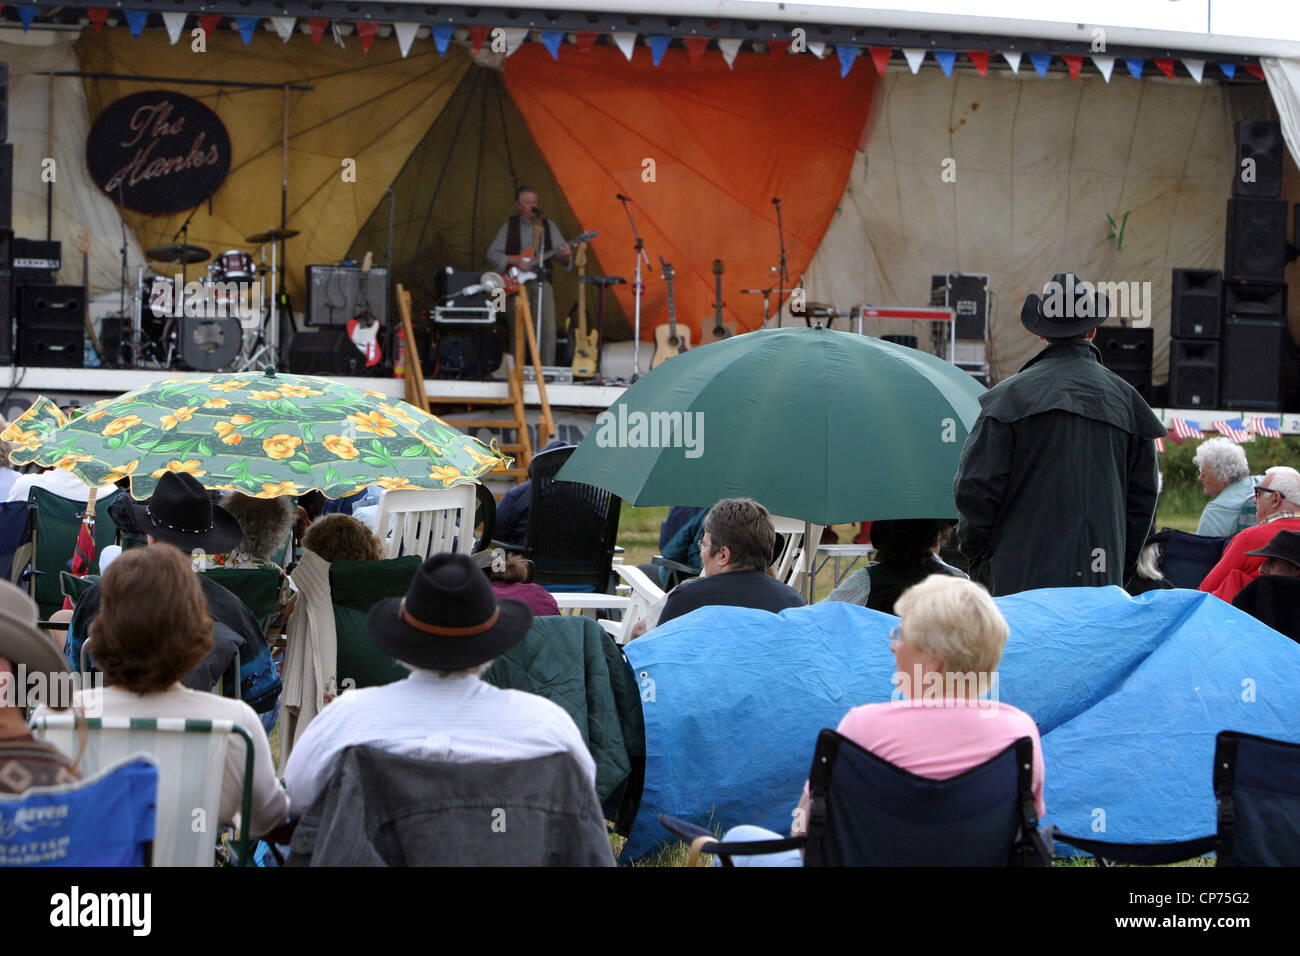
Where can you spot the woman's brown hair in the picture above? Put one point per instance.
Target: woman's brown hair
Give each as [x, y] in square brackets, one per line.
[340, 537]
[153, 625]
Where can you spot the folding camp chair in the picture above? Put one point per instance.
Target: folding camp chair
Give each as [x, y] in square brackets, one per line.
[865, 811]
[355, 588]
[1187, 558]
[1257, 791]
[425, 523]
[58, 521]
[105, 819]
[191, 758]
[258, 588]
[17, 534]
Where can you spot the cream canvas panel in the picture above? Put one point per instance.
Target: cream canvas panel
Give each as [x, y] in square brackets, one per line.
[1038, 163]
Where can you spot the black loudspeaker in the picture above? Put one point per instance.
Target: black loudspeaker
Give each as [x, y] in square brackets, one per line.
[327, 352]
[1255, 300]
[1255, 250]
[114, 332]
[51, 325]
[1127, 353]
[1193, 373]
[36, 261]
[4, 101]
[1196, 304]
[910, 341]
[6, 185]
[1259, 159]
[1255, 354]
[6, 299]
[333, 291]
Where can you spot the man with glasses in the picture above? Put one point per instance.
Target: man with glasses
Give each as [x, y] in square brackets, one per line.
[1277, 507]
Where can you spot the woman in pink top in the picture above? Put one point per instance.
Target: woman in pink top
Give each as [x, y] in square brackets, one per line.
[944, 716]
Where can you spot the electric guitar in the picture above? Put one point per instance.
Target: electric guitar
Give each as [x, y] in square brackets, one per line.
[83, 246]
[515, 276]
[669, 339]
[585, 344]
[720, 330]
[364, 329]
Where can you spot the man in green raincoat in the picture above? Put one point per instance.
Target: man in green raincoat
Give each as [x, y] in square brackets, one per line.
[1057, 482]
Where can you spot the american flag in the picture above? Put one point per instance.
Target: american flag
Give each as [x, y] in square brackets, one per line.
[1268, 427]
[1184, 429]
[1160, 444]
[1234, 430]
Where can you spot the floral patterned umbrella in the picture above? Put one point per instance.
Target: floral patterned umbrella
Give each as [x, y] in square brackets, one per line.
[265, 435]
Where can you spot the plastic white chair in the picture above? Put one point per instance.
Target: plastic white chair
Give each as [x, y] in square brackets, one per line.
[426, 522]
[191, 756]
[647, 600]
[792, 566]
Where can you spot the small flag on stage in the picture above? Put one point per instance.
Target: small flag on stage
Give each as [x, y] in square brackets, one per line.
[1233, 430]
[1267, 427]
[1184, 429]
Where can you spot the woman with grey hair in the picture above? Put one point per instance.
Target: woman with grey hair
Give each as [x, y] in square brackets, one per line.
[1225, 475]
[265, 522]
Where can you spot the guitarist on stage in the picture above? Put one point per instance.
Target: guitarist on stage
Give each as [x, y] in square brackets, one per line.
[508, 249]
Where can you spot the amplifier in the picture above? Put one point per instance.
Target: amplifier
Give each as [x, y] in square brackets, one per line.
[332, 293]
[36, 261]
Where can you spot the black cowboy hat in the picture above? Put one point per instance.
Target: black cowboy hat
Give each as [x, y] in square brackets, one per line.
[179, 512]
[1284, 545]
[450, 618]
[1063, 310]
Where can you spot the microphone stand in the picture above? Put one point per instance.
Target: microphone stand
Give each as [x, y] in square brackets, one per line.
[183, 233]
[782, 274]
[389, 310]
[541, 277]
[637, 289]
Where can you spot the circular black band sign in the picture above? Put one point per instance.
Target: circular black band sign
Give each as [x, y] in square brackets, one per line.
[158, 152]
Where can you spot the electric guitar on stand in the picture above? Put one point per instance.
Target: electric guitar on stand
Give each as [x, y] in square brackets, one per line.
[585, 344]
[364, 329]
[669, 339]
[720, 330]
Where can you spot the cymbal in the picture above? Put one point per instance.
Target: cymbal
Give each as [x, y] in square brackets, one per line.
[273, 235]
[177, 252]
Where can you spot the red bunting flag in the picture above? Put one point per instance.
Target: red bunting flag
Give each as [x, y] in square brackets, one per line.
[1075, 62]
[98, 16]
[366, 30]
[1165, 65]
[318, 25]
[209, 22]
[695, 47]
[776, 48]
[880, 56]
[979, 57]
[477, 34]
[1255, 70]
[586, 40]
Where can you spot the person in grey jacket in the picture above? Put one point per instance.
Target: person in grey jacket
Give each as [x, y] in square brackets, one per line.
[1057, 482]
[1224, 473]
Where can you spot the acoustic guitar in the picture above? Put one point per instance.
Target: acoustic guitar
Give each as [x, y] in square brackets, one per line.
[363, 328]
[584, 343]
[720, 330]
[669, 339]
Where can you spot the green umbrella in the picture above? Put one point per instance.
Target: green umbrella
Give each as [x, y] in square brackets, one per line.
[815, 424]
[265, 435]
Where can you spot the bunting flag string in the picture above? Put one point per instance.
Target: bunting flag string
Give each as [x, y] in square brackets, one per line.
[776, 48]
[1229, 69]
[1105, 65]
[28, 13]
[1254, 69]
[729, 48]
[135, 21]
[1013, 61]
[405, 32]
[1233, 431]
[695, 47]
[817, 48]
[284, 27]
[551, 39]
[658, 47]
[880, 57]
[1265, 427]
[174, 21]
[1134, 65]
[947, 59]
[847, 54]
[1073, 62]
[442, 34]
[1041, 62]
[318, 25]
[1196, 68]
[247, 27]
[98, 15]
[981, 60]
[1165, 65]
[914, 58]
[626, 42]
[1184, 429]
[585, 40]
[477, 34]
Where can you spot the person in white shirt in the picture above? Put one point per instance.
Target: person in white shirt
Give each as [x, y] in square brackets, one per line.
[447, 630]
[57, 481]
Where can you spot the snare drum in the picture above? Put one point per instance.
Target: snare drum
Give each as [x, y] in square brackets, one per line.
[160, 296]
[232, 265]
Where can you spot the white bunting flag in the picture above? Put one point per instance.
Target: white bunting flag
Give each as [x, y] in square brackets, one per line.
[175, 23]
[283, 27]
[817, 48]
[405, 31]
[1104, 65]
[625, 42]
[914, 58]
[1013, 61]
[1196, 68]
[515, 38]
[729, 48]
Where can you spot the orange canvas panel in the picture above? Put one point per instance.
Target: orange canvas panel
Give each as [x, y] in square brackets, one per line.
[722, 142]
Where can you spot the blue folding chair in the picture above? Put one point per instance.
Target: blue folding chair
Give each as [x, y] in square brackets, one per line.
[17, 528]
[107, 819]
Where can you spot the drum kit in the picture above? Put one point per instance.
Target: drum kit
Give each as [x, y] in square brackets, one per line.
[227, 319]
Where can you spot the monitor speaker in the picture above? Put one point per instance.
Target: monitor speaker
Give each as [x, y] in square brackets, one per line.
[51, 326]
[333, 294]
[1196, 304]
[1193, 373]
[1255, 247]
[327, 352]
[1127, 353]
[1255, 300]
[1259, 159]
[1255, 355]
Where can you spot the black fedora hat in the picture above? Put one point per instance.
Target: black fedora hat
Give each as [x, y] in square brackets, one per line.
[450, 618]
[1069, 306]
[1284, 545]
[180, 512]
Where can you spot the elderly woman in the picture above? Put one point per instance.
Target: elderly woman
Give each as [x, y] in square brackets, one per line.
[907, 551]
[265, 523]
[946, 647]
[152, 629]
[1225, 476]
[340, 537]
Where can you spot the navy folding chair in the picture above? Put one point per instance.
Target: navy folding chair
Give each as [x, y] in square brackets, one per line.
[1187, 558]
[865, 811]
[17, 528]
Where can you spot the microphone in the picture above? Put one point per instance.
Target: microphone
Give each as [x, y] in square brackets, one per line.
[621, 198]
[776, 202]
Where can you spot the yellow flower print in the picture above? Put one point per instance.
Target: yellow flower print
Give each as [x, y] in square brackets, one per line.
[264, 396]
[233, 386]
[69, 461]
[15, 434]
[445, 473]
[119, 425]
[394, 484]
[400, 414]
[283, 488]
[198, 381]
[217, 403]
[280, 446]
[338, 445]
[240, 419]
[122, 471]
[96, 416]
[373, 393]
[175, 418]
[480, 458]
[227, 433]
[299, 391]
[374, 423]
[189, 467]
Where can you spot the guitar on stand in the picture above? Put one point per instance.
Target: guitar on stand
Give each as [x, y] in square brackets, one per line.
[669, 339]
[83, 246]
[364, 329]
[720, 330]
[585, 344]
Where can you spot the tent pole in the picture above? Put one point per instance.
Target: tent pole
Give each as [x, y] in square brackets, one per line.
[809, 556]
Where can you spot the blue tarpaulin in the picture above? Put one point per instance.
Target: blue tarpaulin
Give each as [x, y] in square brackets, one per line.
[1128, 694]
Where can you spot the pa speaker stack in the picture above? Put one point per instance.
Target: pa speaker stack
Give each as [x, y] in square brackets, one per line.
[6, 224]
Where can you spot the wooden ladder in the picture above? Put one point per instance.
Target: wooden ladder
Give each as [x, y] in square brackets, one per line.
[521, 449]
